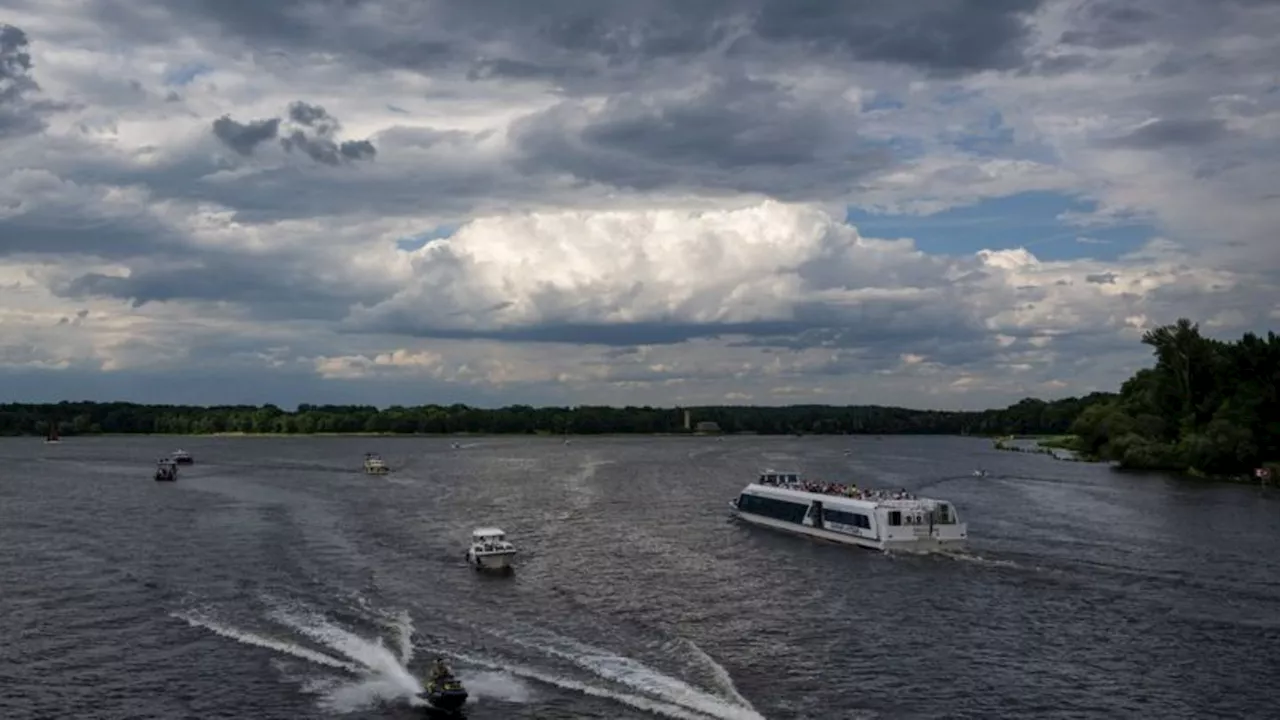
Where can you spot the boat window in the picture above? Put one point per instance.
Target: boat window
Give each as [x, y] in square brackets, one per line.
[895, 517]
[772, 508]
[846, 518]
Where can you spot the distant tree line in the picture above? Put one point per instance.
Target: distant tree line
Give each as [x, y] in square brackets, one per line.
[86, 418]
[1207, 407]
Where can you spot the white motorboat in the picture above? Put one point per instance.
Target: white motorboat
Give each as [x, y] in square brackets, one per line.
[490, 550]
[375, 465]
[182, 457]
[878, 519]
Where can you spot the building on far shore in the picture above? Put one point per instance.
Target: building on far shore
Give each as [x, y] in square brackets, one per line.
[707, 427]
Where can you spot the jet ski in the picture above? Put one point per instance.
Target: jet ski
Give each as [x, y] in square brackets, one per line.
[445, 693]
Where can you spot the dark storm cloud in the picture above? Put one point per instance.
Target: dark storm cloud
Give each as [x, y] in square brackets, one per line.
[662, 332]
[58, 217]
[20, 114]
[15, 64]
[874, 322]
[1166, 133]
[1182, 24]
[244, 137]
[312, 136]
[566, 38]
[313, 116]
[275, 287]
[947, 37]
[1110, 24]
[740, 134]
[215, 379]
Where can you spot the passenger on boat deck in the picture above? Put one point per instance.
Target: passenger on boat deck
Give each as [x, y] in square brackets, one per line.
[851, 491]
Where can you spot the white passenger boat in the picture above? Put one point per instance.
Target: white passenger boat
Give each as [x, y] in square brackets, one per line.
[490, 550]
[182, 457]
[375, 465]
[878, 519]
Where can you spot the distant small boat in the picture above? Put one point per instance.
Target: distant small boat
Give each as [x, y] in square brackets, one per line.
[52, 436]
[980, 473]
[375, 465]
[182, 457]
[166, 470]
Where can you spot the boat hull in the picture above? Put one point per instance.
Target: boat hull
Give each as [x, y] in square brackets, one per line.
[446, 700]
[491, 560]
[917, 544]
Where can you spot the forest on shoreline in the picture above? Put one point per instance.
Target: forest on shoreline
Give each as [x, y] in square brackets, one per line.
[1207, 406]
[93, 418]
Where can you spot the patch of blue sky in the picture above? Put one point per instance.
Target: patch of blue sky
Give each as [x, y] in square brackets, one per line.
[882, 101]
[1029, 220]
[994, 139]
[184, 74]
[421, 240]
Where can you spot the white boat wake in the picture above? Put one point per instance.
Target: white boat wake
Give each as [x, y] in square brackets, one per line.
[371, 671]
[349, 672]
[646, 688]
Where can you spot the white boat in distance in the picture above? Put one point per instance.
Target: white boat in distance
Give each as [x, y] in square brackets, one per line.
[375, 465]
[490, 550]
[878, 519]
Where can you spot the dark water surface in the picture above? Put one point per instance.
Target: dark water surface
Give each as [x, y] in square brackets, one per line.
[274, 580]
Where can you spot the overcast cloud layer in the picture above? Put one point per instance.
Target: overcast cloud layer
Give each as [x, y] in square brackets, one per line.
[570, 201]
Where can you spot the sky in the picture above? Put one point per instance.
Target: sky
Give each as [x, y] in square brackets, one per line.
[947, 204]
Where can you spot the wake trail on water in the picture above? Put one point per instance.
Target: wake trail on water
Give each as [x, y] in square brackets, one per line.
[384, 675]
[374, 671]
[656, 707]
[670, 692]
[718, 672]
[200, 620]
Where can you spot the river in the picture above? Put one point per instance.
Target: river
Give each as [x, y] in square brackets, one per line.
[275, 580]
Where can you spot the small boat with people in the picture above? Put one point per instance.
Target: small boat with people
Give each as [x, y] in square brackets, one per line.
[166, 470]
[490, 550]
[375, 465]
[182, 457]
[845, 513]
[444, 691]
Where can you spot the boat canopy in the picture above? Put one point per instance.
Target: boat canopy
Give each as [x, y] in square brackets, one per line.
[490, 533]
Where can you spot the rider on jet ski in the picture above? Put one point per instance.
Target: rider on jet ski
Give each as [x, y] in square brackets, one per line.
[440, 671]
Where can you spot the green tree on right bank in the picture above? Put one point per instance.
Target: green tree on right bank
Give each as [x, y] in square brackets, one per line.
[1207, 406]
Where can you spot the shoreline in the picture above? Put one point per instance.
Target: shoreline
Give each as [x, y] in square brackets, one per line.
[238, 434]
